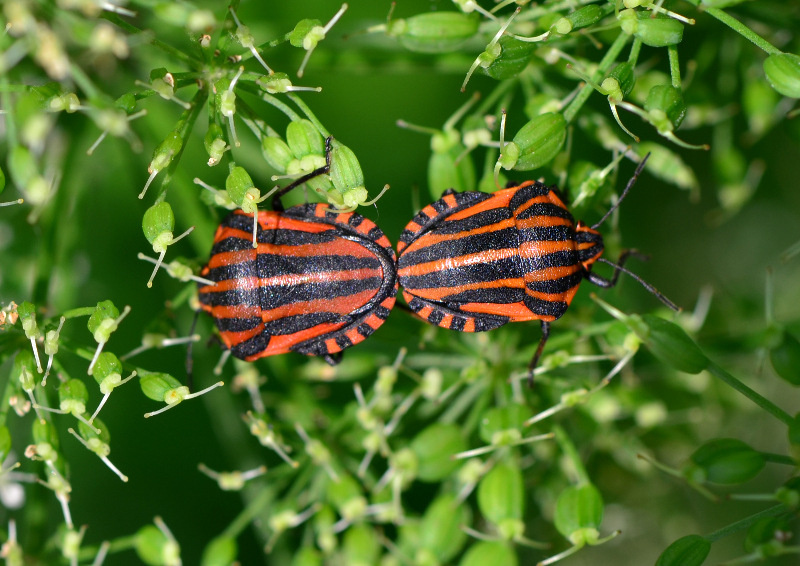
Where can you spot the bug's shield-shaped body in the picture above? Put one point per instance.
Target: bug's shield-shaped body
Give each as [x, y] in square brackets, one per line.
[318, 282]
[474, 261]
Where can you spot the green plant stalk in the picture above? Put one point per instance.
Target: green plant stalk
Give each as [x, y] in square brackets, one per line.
[738, 27]
[567, 446]
[747, 522]
[756, 398]
[291, 114]
[250, 512]
[674, 66]
[309, 114]
[185, 123]
[603, 68]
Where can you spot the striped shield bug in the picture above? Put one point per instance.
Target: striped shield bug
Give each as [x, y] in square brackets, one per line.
[319, 281]
[474, 261]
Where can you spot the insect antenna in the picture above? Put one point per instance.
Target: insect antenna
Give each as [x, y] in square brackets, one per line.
[624, 193]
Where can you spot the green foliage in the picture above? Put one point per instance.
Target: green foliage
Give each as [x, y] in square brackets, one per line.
[424, 446]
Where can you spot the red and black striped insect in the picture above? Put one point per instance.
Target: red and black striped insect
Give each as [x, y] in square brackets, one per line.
[319, 281]
[475, 261]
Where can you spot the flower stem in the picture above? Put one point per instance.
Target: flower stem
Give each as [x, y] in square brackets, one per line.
[756, 398]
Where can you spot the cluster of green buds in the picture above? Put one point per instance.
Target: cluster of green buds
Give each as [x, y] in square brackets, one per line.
[325, 165]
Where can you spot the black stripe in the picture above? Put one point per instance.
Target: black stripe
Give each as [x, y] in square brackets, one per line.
[556, 259]
[546, 308]
[274, 296]
[232, 245]
[237, 324]
[452, 249]
[480, 273]
[238, 270]
[493, 295]
[547, 234]
[233, 297]
[299, 322]
[543, 209]
[524, 194]
[251, 347]
[555, 286]
[477, 220]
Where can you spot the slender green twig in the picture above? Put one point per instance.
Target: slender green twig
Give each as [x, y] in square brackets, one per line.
[738, 27]
[756, 398]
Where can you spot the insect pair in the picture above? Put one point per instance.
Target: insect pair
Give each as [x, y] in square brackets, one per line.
[321, 281]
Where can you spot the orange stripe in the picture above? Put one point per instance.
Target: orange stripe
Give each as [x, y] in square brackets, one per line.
[516, 312]
[340, 305]
[543, 221]
[500, 199]
[291, 279]
[236, 311]
[442, 293]
[232, 339]
[539, 248]
[486, 256]
[551, 273]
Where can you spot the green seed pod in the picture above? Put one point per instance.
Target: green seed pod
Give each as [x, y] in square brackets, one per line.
[537, 143]
[514, 55]
[728, 461]
[298, 35]
[444, 173]
[277, 153]
[73, 396]
[580, 18]
[660, 31]
[221, 551]
[669, 342]
[783, 73]
[215, 144]
[155, 548]
[434, 32]
[304, 139]
[668, 166]
[440, 528]
[620, 81]
[238, 185]
[496, 553]
[579, 512]
[157, 221]
[504, 423]
[343, 492]
[501, 494]
[347, 176]
[156, 386]
[690, 550]
[666, 100]
[88, 432]
[27, 317]
[102, 319]
[361, 545]
[44, 432]
[434, 448]
[306, 556]
[785, 359]
[165, 151]
[126, 103]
